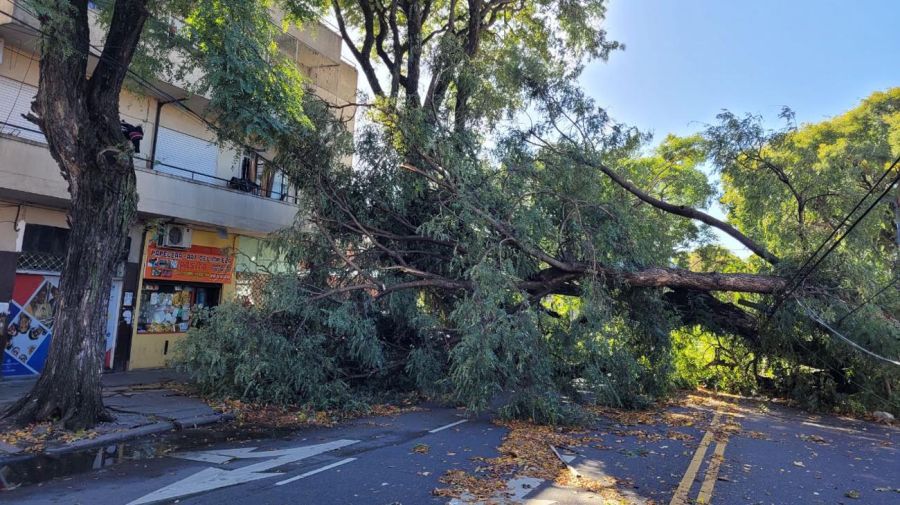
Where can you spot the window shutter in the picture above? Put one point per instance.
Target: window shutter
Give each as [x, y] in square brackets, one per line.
[15, 100]
[181, 154]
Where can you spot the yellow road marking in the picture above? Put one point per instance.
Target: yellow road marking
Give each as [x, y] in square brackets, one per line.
[712, 473]
[681, 494]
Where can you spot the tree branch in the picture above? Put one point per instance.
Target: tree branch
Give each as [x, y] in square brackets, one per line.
[361, 55]
[118, 49]
[685, 211]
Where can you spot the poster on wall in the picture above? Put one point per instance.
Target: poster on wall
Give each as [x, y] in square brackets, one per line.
[197, 264]
[29, 325]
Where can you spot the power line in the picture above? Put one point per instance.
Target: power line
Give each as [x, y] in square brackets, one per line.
[850, 229]
[833, 368]
[835, 230]
[836, 333]
[801, 275]
[866, 301]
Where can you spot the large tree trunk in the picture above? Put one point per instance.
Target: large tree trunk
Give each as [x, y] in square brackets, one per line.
[102, 209]
[80, 119]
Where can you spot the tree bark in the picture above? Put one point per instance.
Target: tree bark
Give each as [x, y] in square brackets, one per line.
[80, 119]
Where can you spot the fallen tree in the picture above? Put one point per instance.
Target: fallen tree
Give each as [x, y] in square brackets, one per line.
[542, 255]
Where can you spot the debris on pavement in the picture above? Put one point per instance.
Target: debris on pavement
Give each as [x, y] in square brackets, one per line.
[528, 450]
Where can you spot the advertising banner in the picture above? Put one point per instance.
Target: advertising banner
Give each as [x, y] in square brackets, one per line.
[197, 264]
[29, 324]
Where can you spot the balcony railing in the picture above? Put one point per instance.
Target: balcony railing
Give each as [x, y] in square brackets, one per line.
[32, 134]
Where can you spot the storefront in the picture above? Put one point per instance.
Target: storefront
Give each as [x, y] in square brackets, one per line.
[175, 283]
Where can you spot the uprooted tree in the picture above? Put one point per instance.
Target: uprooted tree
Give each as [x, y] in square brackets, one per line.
[254, 94]
[498, 232]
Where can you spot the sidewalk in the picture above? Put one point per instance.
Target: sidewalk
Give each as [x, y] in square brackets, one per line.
[140, 401]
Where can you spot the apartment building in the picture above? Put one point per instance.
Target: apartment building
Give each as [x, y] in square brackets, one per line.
[202, 208]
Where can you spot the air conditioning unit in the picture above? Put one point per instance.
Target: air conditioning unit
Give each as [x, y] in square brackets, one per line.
[176, 236]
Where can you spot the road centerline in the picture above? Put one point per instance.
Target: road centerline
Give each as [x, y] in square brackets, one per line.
[712, 473]
[684, 487]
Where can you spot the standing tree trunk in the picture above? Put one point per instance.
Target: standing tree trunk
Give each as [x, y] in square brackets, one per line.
[79, 115]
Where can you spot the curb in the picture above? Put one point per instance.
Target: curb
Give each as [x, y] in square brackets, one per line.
[116, 437]
[201, 420]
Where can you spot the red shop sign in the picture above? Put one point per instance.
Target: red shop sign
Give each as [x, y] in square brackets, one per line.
[197, 264]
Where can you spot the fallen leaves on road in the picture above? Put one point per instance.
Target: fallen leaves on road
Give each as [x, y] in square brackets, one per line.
[657, 416]
[274, 416]
[526, 452]
[421, 448]
[461, 483]
[34, 437]
[813, 438]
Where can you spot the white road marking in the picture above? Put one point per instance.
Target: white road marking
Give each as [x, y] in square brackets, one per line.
[837, 428]
[225, 455]
[313, 472]
[204, 480]
[442, 428]
[215, 478]
[204, 457]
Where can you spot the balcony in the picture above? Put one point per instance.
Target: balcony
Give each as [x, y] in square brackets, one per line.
[28, 173]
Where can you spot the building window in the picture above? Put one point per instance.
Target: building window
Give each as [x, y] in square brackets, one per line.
[45, 239]
[167, 307]
[43, 248]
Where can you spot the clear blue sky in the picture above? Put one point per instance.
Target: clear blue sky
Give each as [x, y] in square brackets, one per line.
[685, 60]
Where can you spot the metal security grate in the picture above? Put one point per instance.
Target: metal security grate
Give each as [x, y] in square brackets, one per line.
[42, 262]
[249, 286]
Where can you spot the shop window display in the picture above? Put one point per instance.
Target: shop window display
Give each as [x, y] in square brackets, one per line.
[167, 307]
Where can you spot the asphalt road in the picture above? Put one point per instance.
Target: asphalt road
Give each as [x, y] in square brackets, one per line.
[708, 452]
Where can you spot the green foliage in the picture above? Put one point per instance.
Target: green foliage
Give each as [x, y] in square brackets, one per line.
[546, 407]
[616, 379]
[228, 52]
[719, 362]
[790, 188]
[234, 351]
